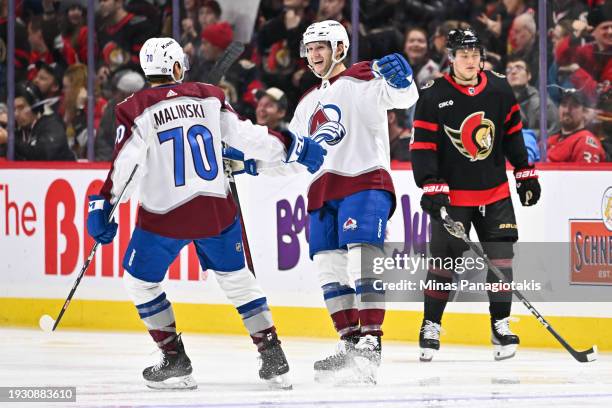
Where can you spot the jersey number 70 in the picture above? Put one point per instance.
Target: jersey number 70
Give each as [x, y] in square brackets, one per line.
[207, 171]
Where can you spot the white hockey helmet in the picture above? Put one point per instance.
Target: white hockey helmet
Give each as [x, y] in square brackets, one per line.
[328, 30]
[158, 55]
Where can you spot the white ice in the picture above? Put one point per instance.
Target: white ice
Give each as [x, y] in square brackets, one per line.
[105, 368]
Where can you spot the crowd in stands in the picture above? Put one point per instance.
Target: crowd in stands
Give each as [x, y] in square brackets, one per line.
[268, 80]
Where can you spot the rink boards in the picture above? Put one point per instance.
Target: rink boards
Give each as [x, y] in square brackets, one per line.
[43, 245]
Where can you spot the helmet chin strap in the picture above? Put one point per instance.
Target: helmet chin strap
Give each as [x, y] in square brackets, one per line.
[335, 62]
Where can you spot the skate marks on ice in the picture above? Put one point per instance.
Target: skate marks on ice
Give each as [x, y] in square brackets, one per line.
[106, 369]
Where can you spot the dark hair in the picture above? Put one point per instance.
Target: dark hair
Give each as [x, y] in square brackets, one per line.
[214, 6]
[159, 78]
[519, 59]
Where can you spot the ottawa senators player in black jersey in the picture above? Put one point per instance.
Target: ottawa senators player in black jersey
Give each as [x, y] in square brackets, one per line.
[466, 125]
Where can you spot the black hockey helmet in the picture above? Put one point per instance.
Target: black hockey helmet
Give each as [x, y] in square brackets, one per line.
[461, 39]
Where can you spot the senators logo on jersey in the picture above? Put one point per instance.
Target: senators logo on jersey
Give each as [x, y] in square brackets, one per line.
[474, 139]
[325, 126]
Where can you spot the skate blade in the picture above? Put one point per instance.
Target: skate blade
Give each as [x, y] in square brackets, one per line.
[175, 383]
[426, 354]
[364, 370]
[504, 352]
[280, 382]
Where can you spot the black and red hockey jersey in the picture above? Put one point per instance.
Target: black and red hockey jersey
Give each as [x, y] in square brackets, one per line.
[463, 135]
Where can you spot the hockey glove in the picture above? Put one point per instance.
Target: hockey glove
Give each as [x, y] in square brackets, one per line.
[307, 152]
[435, 196]
[238, 164]
[98, 226]
[527, 185]
[395, 69]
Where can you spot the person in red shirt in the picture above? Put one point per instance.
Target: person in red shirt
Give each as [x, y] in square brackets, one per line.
[574, 143]
[590, 63]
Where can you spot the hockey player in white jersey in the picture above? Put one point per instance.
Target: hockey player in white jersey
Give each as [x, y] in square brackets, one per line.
[173, 132]
[352, 196]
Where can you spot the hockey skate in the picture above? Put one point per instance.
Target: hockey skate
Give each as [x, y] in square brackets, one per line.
[173, 372]
[274, 366]
[503, 339]
[429, 340]
[366, 357]
[329, 368]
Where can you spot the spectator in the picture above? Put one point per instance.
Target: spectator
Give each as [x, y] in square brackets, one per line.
[40, 133]
[48, 80]
[528, 98]
[22, 49]
[121, 36]
[209, 13]
[531, 144]
[215, 39]
[271, 109]
[594, 57]
[189, 21]
[522, 43]
[334, 10]
[49, 49]
[566, 10]
[559, 79]
[499, 24]
[127, 82]
[74, 27]
[574, 143]
[399, 136]
[74, 110]
[279, 44]
[603, 122]
[3, 132]
[416, 51]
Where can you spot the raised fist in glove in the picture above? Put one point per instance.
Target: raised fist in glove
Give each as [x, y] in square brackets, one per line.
[98, 226]
[237, 163]
[527, 185]
[307, 152]
[395, 69]
[435, 196]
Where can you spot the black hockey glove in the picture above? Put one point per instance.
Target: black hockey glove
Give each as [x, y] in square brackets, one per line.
[435, 196]
[527, 185]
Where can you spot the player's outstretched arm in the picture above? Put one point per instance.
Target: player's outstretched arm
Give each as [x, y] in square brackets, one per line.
[400, 91]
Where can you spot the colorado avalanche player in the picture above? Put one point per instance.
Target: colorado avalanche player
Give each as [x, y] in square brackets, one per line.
[351, 197]
[173, 132]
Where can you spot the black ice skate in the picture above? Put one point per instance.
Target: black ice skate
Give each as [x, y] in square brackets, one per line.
[173, 370]
[341, 358]
[274, 366]
[503, 339]
[429, 340]
[366, 356]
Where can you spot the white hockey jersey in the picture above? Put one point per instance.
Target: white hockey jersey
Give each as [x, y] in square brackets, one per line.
[348, 116]
[174, 134]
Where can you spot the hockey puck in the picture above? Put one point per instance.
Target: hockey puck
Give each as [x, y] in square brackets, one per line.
[46, 323]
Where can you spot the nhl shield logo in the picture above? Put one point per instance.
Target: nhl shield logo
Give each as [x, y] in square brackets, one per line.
[474, 139]
[349, 225]
[238, 247]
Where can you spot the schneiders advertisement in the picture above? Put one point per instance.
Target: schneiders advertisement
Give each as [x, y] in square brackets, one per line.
[43, 244]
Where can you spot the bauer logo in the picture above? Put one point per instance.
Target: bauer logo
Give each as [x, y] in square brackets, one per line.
[590, 253]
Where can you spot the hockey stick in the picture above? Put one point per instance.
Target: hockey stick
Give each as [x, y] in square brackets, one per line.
[46, 322]
[457, 229]
[231, 54]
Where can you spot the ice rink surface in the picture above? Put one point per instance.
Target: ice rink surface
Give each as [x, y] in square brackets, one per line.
[105, 368]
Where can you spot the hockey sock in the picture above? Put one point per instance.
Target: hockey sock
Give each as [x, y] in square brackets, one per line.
[435, 295]
[500, 302]
[244, 292]
[154, 309]
[338, 294]
[371, 302]
[341, 305]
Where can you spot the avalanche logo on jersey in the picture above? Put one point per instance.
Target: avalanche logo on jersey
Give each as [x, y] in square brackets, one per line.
[349, 225]
[325, 126]
[474, 139]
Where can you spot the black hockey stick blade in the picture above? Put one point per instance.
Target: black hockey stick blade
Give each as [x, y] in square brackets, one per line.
[46, 320]
[231, 54]
[457, 229]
